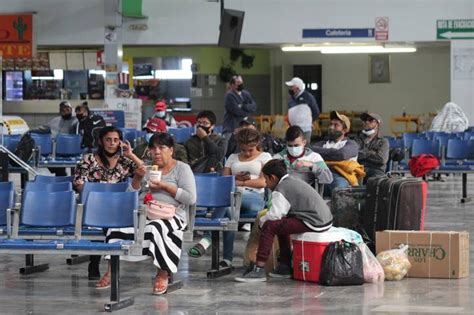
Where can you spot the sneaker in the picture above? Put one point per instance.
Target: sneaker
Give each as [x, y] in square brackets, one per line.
[281, 271]
[256, 275]
[246, 227]
[225, 263]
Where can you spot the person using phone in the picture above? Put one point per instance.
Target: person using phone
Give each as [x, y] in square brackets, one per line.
[114, 162]
[246, 166]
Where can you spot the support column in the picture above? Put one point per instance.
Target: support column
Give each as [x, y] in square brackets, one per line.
[112, 45]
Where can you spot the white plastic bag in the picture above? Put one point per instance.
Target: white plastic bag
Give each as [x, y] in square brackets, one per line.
[373, 271]
[395, 263]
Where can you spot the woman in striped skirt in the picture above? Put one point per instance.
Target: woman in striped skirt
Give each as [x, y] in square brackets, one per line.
[163, 238]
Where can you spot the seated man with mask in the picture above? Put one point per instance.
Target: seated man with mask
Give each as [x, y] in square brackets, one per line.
[373, 148]
[301, 161]
[340, 154]
[206, 148]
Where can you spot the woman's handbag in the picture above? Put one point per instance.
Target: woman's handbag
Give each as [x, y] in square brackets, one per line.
[159, 210]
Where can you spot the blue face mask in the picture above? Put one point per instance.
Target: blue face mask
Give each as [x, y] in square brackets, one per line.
[148, 136]
[160, 114]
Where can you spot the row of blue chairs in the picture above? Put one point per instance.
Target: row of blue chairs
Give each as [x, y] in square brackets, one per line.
[408, 138]
[43, 211]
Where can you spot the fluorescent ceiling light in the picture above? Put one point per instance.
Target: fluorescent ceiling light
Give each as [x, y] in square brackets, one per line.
[365, 50]
[351, 49]
[143, 77]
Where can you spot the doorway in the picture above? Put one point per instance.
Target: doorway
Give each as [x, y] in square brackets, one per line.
[312, 77]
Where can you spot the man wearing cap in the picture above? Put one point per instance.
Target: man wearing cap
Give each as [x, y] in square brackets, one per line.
[339, 150]
[206, 148]
[373, 148]
[268, 144]
[65, 123]
[239, 104]
[157, 125]
[88, 125]
[160, 112]
[302, 107]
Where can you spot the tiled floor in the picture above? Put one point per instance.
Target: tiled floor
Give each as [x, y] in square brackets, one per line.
[65, 289]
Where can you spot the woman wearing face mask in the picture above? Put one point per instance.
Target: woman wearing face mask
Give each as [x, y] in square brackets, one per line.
[114, 162]
[161, 113]
[246, 166]
[301, 161]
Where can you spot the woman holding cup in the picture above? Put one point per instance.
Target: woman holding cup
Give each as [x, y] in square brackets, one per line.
[167, 198]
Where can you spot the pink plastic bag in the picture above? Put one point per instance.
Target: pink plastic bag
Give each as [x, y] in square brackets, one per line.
[373, 271]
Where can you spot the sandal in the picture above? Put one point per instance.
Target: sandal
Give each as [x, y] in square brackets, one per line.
[197, 251]
[104, 282]
[161, 283]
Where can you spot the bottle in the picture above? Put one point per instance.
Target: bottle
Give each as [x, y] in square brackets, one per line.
[404, 113]
[155, 174]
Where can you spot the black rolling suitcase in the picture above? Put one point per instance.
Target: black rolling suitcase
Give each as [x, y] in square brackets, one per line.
[348, 208]
[394, 204]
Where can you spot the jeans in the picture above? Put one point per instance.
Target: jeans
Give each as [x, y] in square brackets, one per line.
[337, 181]
[251, 201]
[372, 172]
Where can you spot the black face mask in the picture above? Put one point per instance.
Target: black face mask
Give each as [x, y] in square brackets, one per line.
[240, 87]
[79, 117]
[66, 116]
[333, 134]
[206, 129]
[291, 92]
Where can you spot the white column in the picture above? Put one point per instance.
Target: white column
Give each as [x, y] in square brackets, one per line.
[112, 45]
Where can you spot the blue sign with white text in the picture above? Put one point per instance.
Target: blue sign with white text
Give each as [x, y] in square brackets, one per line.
[338, 32]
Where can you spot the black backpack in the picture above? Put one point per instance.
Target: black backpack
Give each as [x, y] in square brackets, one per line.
[25, 147]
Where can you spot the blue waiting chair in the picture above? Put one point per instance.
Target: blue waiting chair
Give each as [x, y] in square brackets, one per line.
[130, 134]
[216, 192]
[44, 143]
[181, 135]
[48, 187]
[7, 201]
[11, 141]
[6, 186]
[68, 145]
[53, 179]
[102, 187]
[422, 146]
[408, 138]
[468, 135]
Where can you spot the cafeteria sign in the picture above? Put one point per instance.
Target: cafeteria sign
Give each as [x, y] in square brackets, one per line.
[16, 35]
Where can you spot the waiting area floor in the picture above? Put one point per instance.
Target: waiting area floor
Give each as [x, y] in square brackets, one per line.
[65, 289]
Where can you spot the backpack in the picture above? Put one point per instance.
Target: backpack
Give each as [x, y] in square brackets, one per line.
[25, 147]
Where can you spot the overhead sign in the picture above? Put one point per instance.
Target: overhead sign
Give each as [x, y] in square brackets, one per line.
[455, 29]
[16, 35]
[381, 28]
[132, 108]
[338, 32]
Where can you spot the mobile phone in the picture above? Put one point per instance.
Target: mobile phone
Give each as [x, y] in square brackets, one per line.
[245, 173]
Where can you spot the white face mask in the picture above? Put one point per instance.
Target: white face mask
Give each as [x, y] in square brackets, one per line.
[295, 151]
[369, 132]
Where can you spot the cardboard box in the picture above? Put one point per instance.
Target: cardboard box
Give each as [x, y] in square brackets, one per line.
[432, 254]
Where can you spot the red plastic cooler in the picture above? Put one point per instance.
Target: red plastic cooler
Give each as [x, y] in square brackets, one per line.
[308, 249]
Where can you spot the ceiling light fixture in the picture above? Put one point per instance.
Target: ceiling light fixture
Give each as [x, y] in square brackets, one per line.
[351, 49]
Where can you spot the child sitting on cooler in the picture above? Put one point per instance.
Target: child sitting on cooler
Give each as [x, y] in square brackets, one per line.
[295, 207]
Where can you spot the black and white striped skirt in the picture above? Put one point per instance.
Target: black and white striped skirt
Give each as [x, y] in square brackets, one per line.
[163, 242]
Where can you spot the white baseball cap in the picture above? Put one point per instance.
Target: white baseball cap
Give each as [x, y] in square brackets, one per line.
[296, 81]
